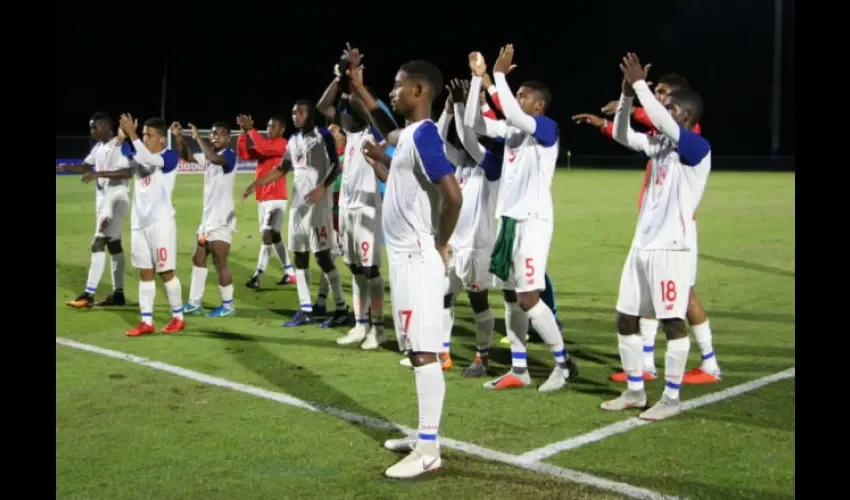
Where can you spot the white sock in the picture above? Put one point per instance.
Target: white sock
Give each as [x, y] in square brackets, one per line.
[516, 324]
[702, 335]
[196, 287]
[674, 365]
[376, 299]
[360, 298]
[448, 324]
[648, 331]
[543, 321]
[335, 282]
[226, 293]
[98, 262]
[324, 288]
[147, 292]
[283, 256]
[117, 271]
[430, 391]
[174, 292]
[263, 259]
[302, 284]
[485, 323]
[631, 356]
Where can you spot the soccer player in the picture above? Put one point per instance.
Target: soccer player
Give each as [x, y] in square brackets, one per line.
[421, 208]
[360, 212]
[271, 198]
[660, 262]
[526, 215]
[218, 220]
[311, 152]
[153, 236]
[709, 371]
[111, 204]
[319, 307]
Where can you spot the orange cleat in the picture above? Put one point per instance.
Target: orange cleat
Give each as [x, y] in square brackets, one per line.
[83, 301]
[446, 360]
[174, 326]
[142, 329]
[621, 377]
[700, 376]
[509, 381]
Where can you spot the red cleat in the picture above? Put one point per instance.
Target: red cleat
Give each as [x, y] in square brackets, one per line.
[174, 326]
[621, 377]
[142, 329]
[699, 376]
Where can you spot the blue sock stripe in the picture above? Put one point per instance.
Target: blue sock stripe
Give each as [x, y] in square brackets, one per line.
[378, 323]
[288, 266]
[362, 321]
[259, 272]
[147, 315]
[648, 348]
[519, 355]
[672, 385]
[91, 289]
[482, 351]
[708, 356]
[447, 344]
[635, 378]
[427, 437]
[561, 354]
[227, 302]
[178, 310]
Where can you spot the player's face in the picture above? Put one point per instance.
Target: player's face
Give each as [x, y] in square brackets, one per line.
[662, 90]
[404, 94]
[530, 101]
[219, 137]
[680, 114]
[152, 139]
[99, 130]
[275, 129]
[300, 115]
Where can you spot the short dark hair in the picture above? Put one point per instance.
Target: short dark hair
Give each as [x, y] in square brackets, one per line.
[278, 118]
[542, 91]
[426, 73]
[102, 116]
[688, 99]
[304, 102]
[223, 125]
[158, 124]
[674, 81]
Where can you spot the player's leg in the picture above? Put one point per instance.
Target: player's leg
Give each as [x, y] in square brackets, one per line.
[112, 231]
[299, 243]
[278, 245]
[530, 257]
[166, 264]
[648, 332]
[452, 289]
[199, 276]
[96, 265]
[670, 271]
[321, 244]
[477, 280]
[709, 371]
[633, 301]
[219, 245]
[264, 215]
[359, 290]
[548, 298]
[143, 258]
[369, 240]
[418, 322]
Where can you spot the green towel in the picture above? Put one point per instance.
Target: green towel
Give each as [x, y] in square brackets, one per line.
[502, 257]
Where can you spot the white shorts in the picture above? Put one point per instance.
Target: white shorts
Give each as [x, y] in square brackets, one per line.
[656, 283]
[417, 287]
[531, 253]
[311, 229]
[270, 214]
[208, 234]
[360, 235]
[470, 270]
[115, 209]
[692, 244]
[155, 246]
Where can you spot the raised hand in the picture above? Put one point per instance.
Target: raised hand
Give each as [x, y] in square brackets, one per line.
[177, 130]
[245, 122]
[456, 92]
[128, 124]
[504, 63]
[477, 65]
[632, 69]
[589, 119]
[355, 58]
[195, 134]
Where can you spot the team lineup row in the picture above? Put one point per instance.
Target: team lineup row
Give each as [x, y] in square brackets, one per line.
[467, 207]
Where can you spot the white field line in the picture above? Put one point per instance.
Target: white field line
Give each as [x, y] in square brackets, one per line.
[468, 448]
[547, 451]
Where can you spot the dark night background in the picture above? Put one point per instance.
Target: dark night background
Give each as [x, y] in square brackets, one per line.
[259, 57]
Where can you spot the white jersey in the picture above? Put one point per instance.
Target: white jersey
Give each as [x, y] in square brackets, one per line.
[674, 190]
[312, 155]
[359, 187]
[219, 209]
[106, 157]
[527, 171]
[154, 175]
[412, 201]
[476, 226]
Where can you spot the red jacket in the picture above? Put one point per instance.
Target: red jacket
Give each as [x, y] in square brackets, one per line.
[268, 153]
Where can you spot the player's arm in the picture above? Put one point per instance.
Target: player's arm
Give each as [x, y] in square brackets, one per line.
[472, 117]
[330, 149]
[494, 93]
[78, 168]
[326, 102]
[183, 151]
[640, 116]
[269, 148]
[468, 137]
[245, 149]
[623, 132]
[543, 128]
[380, 119]
[692, 147]
[441, 172]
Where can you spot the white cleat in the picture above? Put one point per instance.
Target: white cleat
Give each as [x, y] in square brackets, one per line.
[557, 380]
[405, 444]
[405, 362]
[626, 400]
[374, 339]
[354, 336]
[663, 409]
[414, 464]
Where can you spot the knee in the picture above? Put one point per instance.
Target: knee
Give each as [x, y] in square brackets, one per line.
[509, 295]
[324, 260]
[418, 359]
[527, 300]
[478, 301]
[276, 238]
[627, 325]
[447, 301]
[302, 260]
[114, 247]
[98, 245]
[372, 272]
[267, 238]
[674, 328]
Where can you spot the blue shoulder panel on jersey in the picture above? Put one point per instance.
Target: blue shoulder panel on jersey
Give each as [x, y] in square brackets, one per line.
[692, 147]
[546, 131]
[390, 150]
[169, 160]
[330, 145]
[432, 151]
[376, 133]
[492, 166]
[230, 156]
[127, 149]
